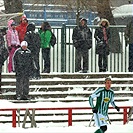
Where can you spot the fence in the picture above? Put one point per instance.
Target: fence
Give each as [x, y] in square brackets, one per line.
[63, 53]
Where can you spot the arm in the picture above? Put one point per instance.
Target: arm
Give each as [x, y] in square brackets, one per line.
[113, 104]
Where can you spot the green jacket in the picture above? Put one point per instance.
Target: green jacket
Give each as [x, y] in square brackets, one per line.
[45, 38]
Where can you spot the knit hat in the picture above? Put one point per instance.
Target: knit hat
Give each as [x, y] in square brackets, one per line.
[24, 43]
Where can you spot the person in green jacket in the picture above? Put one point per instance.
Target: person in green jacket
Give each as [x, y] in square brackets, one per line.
[104, 96]
[45, 34]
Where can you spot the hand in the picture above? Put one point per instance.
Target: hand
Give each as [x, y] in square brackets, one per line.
[117, 108]
[94, 110]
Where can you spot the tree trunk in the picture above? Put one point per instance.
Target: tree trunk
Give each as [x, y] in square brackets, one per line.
[13, 6]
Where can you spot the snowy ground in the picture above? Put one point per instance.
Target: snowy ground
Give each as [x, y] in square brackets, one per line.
[114, 128]
[61, 128]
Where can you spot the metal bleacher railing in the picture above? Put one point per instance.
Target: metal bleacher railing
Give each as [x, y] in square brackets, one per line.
[63, 53]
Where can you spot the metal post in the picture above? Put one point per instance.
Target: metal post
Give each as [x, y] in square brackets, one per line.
[13, 118]
[69, 117]
[63, 48]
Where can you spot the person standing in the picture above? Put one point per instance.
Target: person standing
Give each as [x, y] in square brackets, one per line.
[104, 96]
[22, 27]
[22, 64]
[34, 42]
[12, 42]
[82, 41]
[45, 34]
[129, 40]
[3, 53]
[102, 35]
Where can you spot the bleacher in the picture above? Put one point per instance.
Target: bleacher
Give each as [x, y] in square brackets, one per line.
[69, 88]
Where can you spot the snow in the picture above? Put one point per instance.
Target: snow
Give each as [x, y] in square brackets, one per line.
[78, 127]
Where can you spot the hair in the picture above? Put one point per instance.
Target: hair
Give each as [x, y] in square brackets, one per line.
[107, 79]
[46, 26]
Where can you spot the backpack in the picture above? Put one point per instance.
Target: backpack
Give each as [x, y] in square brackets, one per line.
[53, 39]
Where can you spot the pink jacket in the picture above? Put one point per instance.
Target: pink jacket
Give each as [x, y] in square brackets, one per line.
[12, 35]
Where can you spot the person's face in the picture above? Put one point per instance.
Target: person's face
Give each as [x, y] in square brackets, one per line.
[103, 23]
[107, 84]
[24, 20]
[24, 47]
[82, 22]
[13, 27]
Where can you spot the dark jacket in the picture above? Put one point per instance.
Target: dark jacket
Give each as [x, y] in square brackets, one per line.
[129, 33]
[82, 37]
[34, 41]
[101, 44]
[3, 50]
[22, 62]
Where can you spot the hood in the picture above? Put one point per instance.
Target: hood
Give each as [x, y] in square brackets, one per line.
[9, 23]
[23, 17]
[104, 20]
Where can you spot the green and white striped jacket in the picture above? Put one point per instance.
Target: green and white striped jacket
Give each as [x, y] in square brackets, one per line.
[103, 98]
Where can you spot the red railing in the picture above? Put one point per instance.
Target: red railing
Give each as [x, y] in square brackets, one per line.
[125, 108]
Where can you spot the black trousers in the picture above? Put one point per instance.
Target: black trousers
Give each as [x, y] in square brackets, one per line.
[81, 54]
[22, 86]
[102, 61]
[130, 58]
[46, 58]
[36, 69]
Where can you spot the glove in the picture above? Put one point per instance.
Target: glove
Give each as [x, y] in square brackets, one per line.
[117, 108]
[94, 110]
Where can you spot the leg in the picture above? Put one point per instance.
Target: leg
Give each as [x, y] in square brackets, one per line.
[11, 53]
[36, 70]
[100, 63]
[19, 87]
[25, 87]
[46, 57]
[105, 60]
[78, 60]
[85, 60]
[130, 58]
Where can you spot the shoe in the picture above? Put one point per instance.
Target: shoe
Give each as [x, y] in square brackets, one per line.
[84, 71]
[18, 98]
[25, 98]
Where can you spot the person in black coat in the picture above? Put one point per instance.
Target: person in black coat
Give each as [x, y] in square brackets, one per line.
[22, 64]
[3, 52]
[82, 41]
[102, 35]
[34, 42]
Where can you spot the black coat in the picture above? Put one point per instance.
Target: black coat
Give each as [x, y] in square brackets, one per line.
[82, 37]
[22, 62]
[34, 42]
[101, 45]
[3, 50]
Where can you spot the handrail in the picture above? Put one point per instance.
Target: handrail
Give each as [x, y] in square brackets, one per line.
[70, 109]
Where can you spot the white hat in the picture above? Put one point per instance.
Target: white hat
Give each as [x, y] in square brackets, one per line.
[24, 43]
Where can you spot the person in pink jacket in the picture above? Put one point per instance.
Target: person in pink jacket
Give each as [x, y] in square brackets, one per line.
[12, 42]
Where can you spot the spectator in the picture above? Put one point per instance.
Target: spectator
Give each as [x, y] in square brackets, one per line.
[129, 40]
[82, 41]
[12, 42]
[34, 43]
[3, 53]
[102, 34]
[104, 95]
[22, 64]
[22, 27]
[45, 34]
